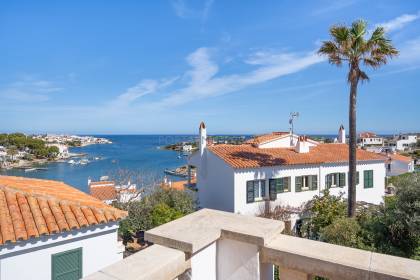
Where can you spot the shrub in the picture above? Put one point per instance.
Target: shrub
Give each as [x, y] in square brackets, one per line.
[343, 231]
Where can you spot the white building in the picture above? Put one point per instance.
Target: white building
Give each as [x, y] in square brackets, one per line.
[397, 164]
[405, 141]
[63, 150]
[370, 139]
[242, 178]
[50, 230]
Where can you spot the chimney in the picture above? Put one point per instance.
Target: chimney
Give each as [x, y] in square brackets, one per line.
[203, 138]
[302, 146]
[342, 135]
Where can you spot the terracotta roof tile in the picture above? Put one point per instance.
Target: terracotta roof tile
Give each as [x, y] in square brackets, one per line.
[33, 207]
[264, 138]
[106, 192]
[247, 156]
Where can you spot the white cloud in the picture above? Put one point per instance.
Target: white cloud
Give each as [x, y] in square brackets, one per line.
[399, 22]
[29, 89]
[183, 10]
[144, 87]
[204, 83]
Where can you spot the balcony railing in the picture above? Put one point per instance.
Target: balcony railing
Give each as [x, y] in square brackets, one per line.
[210, 244]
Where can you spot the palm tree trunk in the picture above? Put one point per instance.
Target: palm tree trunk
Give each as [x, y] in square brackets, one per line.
[351, 209]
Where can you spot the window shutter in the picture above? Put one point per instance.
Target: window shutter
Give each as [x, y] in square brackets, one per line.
[368, 178]
[357, 177]
[67, 265]
[272, 189]
[298, 183]
[342, 179]
[314, 183]
[250, 192]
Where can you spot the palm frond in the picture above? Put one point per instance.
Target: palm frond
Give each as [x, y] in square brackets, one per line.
[340, 34]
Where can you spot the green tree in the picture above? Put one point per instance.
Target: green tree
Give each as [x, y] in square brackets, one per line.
[348, 45]
[321, 212]
[343, 231]
[394, 227]
[162, 214]
[161, 206]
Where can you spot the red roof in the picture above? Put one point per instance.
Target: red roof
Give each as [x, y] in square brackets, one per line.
[264, 138]
[248, 156]
[30, 208]
[367, 135]
[103, 192]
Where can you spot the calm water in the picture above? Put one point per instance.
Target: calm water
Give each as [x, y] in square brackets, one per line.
[139, 154]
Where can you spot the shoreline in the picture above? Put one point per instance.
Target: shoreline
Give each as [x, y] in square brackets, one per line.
[38, 163]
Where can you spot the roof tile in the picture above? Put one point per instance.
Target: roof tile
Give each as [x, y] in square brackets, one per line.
[33, 207]
[247, 156]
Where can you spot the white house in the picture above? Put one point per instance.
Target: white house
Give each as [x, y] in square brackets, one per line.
[241, 178]
[108, 192]
[397, 164]
[404, 141]
[370, 139]
[49, 230]
[63, 150]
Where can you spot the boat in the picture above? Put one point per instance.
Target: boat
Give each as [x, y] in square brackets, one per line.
[84, 161]
[71, 161]
[175, 173]
[30, 169]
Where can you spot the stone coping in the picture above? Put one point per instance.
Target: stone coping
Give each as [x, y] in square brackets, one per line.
[193, 232]
[336, 262]
[155, 262]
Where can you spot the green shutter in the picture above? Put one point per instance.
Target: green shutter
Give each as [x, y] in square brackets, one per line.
[357, 178]
[298, 183]
[250, 192]
[314, 182]
[368, 178]
[67, 265]
[342, 179]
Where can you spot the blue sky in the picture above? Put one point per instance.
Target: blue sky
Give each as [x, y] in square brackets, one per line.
[146, 67]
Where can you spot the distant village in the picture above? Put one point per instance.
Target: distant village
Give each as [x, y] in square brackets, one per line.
[18, 150]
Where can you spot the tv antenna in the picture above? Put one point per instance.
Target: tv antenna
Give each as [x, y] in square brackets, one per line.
[292, 117]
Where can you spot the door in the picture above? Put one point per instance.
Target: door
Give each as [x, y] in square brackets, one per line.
[67, 265]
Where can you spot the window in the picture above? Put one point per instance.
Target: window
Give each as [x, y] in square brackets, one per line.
[67, 265]
[281, 184]
[255, 190]
[357, 178]
[335, 180]
[306, 183]
[368, 178]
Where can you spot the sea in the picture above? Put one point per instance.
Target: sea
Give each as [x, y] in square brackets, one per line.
[140, 157]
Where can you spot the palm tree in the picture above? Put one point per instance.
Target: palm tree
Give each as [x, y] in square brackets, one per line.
[349, 45]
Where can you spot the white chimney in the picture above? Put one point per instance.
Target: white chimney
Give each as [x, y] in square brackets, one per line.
[203, 138]
[342, 135]
[302, 146]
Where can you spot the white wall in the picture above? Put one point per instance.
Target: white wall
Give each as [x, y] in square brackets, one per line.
[296, 199]
[228, 260]
[203, 263]
[399, 167]
[215, 188]
[237, 260]
[32, 260]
